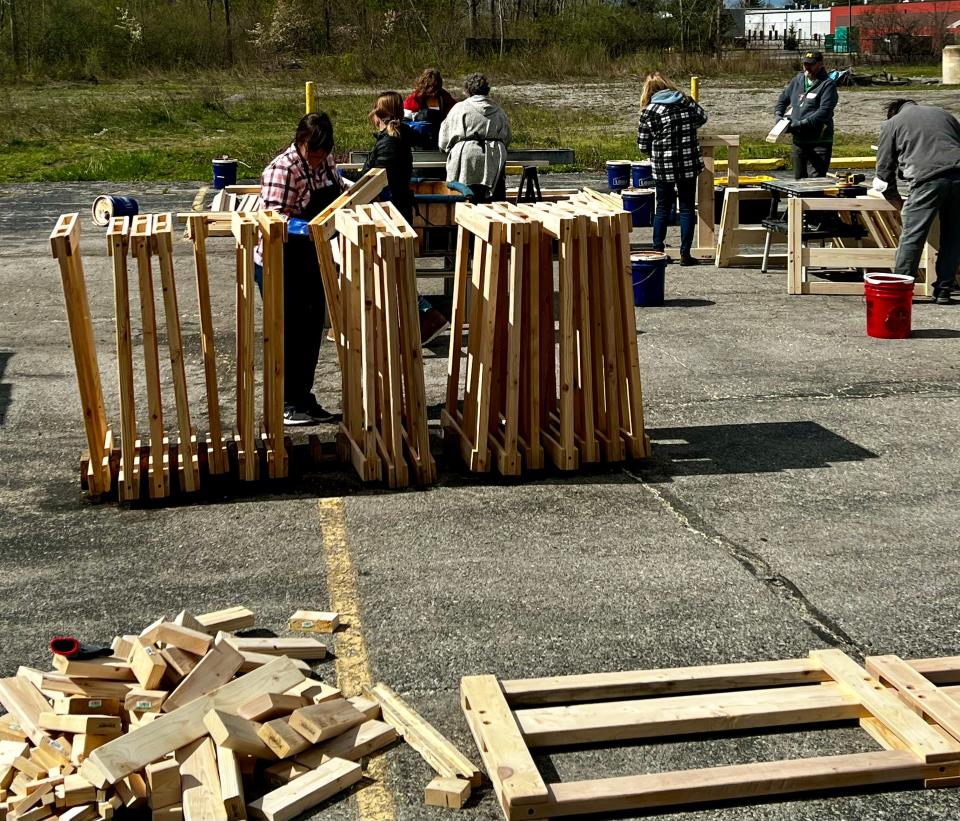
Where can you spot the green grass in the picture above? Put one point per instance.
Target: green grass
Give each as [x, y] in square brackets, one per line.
[170, 129]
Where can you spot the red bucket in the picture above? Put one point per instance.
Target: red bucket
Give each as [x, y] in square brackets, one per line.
[889, 299]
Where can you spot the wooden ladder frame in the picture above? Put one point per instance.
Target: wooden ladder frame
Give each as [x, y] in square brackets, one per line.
[915, 721]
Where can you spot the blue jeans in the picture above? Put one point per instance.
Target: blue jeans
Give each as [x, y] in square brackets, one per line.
[684, 190]
[940, 195]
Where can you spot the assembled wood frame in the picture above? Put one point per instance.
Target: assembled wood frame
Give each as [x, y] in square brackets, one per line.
[883, 231]
[517, 405]
[706, 244]
[732, 236]
[914, 718]
[384, 432]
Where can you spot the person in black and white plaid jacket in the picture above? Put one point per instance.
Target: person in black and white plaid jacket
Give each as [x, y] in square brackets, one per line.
[667, 133]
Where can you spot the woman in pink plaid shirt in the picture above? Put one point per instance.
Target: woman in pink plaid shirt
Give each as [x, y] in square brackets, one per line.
[300, 183]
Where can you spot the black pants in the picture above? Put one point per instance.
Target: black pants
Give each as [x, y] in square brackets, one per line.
[818, 158]
[499, 193]
[304, 307]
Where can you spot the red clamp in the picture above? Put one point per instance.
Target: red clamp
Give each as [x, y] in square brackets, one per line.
[64, 646]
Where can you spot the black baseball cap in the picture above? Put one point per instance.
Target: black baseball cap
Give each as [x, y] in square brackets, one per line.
[812, 57]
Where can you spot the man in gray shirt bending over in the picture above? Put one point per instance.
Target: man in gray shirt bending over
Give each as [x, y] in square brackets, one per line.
[921, 144]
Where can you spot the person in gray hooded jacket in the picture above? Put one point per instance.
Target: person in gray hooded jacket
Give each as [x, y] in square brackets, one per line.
[921, 144]
[809, 100]
[475, 136]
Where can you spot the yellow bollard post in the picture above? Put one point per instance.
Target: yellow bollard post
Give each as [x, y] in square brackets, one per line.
[309, 95]
[695, 88]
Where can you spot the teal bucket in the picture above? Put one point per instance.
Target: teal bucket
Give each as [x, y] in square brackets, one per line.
[648, 271]
[618, 174]
[224, 172]
[639, 202]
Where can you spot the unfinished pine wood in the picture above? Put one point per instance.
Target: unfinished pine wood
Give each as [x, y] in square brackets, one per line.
[297, 648]
[81, 705]
[281, 738]
[727, 783]
[215, 669]
[353, 744]
[452, 793]
[159, 468]
[188, 465]
[686, 714]
[314, 621]
[436, 750]
[144, 701]
[217, 461]
[136, 749]
[515, 777]
[65, 242]
[384, 433]
[231, 784]
[266, 706]
[245, 235]
[668, 680]
[273, 230]
[872, 210]
[918, 692]
[886, 707]
[184, 638]
[105, 667]
[234, 733]
[147, 664]
[228, 621]
[94, 724]
[163, 781]
[307, 791]
[25, 703]
[319, 722]
[118, 243]
[202, 798]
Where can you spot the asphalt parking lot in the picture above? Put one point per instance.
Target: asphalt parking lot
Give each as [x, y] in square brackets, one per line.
[802, 494]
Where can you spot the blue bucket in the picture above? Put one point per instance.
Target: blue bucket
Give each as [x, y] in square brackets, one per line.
[647, 270]
[224, 172]
[639, 202]
[641, 173]
[618, 174]
[112, 205]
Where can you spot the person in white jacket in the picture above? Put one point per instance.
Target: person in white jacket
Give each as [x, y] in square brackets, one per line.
[475, 136]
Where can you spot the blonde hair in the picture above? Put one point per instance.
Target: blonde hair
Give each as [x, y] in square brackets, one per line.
[655, 82]
[388, 109]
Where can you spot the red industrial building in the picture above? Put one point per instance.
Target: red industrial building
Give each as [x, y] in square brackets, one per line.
[900, 28]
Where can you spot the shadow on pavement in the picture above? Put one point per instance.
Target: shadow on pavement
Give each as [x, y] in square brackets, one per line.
[5, 387]
[935, 333]
[758, 447]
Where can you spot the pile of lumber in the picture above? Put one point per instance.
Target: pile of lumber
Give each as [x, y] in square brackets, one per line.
[521, 395]
[190, 720]
[372, 299]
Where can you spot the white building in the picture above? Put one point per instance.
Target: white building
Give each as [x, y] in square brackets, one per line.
[775, 24]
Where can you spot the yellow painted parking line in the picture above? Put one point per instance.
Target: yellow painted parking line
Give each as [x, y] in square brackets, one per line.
[374, 802]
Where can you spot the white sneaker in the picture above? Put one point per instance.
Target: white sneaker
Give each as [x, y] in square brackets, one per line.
[291, 416]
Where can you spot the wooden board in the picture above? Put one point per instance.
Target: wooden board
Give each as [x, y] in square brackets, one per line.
[202, 799]
[146, 744]
[307, 791]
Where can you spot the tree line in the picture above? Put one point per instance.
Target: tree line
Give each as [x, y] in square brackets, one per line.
[73, 39]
